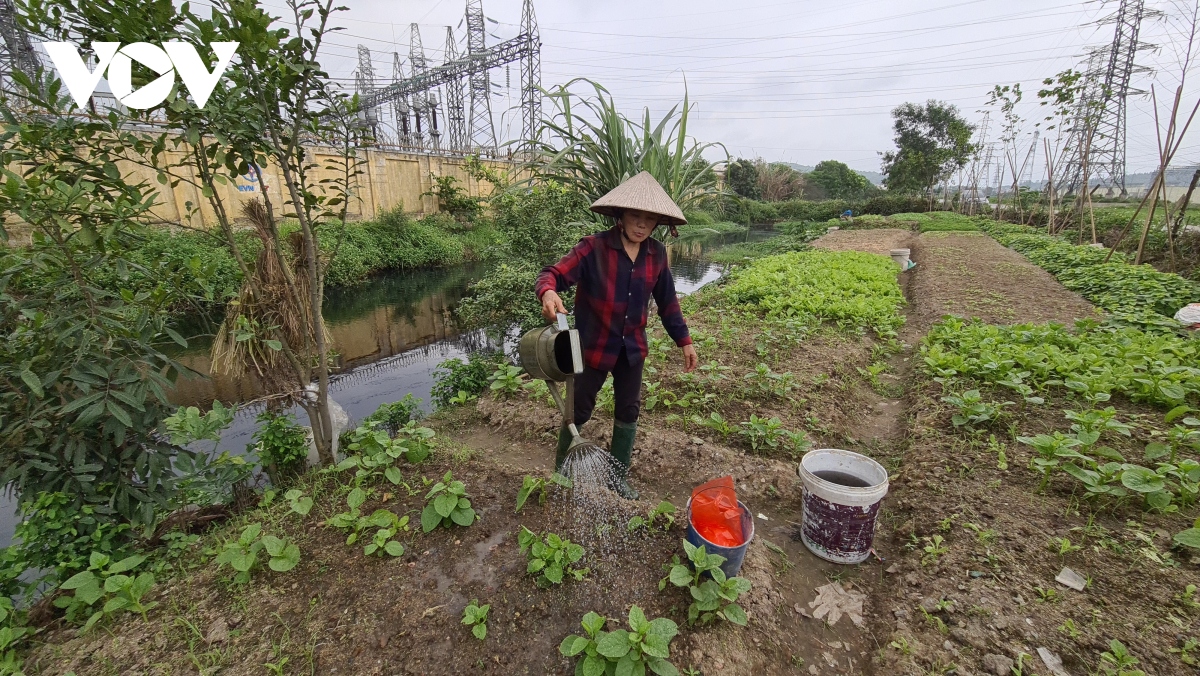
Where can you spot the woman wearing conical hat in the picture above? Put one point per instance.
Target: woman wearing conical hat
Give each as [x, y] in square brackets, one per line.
[617, 272]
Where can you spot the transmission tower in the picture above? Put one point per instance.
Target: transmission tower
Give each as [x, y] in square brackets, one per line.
[1099, 126]
[16, 50]
[417, 67]
[468, 118]
[480, 129]
[531, 75]
[364, 83]
[400, 107]
[456, 119]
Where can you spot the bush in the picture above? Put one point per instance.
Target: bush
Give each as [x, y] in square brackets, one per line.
[396, 414]
[454, 375]
[804, 210]
[279, 442]
[540, 225]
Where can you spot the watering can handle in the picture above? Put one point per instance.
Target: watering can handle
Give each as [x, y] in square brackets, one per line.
[562, 322]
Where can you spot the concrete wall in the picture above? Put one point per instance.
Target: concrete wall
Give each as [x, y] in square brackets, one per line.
[388, 179]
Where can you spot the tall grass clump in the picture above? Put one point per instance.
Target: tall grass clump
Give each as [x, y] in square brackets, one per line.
[592, 147]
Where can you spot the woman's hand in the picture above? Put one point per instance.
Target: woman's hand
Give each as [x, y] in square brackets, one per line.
[551, 306]
[690, 359]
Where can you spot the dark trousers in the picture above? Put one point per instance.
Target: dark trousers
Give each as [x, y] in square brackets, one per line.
[627, 390]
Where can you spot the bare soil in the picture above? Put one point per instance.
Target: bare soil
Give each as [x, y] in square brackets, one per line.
[877, 240]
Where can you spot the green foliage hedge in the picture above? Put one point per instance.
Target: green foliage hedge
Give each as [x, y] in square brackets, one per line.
[851, 288]
[752, 211]
[1157, 368]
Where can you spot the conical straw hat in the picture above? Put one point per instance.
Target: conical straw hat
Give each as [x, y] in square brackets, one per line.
[640, 192]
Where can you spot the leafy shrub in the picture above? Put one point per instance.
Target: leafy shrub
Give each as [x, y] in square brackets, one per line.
[452, 199]
[973, 410]
[1160, 369]
[853, 289]
[374, 452]
[447, 503]
[504, 298]
[551, 558]
[280, 442]
[506, 380]
[454, 375]
[59, 538]
[646, 647]
[396, 414]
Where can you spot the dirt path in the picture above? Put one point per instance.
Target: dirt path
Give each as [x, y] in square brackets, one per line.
[972, 275]
[877, 241]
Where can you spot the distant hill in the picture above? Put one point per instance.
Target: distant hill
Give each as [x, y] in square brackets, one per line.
[874, 177]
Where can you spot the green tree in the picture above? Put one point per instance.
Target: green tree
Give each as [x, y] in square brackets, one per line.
[274, 98]
[839, 181]
[83, 372]
[932, 141]
[742, 178]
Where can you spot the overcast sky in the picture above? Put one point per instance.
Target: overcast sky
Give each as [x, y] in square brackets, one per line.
[788, 80]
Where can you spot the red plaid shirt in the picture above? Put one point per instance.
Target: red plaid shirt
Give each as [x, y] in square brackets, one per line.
[613, 296]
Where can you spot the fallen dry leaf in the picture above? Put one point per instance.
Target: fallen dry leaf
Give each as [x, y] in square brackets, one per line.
[834, 601]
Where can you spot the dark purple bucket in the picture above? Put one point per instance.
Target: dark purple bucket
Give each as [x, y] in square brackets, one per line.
[842, 493]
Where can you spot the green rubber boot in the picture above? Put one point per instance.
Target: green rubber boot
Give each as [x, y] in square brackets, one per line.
[564, 442]
[622, 451]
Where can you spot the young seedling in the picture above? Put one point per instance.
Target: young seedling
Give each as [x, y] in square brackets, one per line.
[475, 617]
[1063, 546]
[1068, 627]
[106, 580]
[762, 432]
[714, 598]
[551, 558]
[447, 504]
[933, 549]
[386, 523]
[1117, 661]
[300, 504]
[973, 411]
[647, 647]
[664, 509]
[242, 554]
[531, 485]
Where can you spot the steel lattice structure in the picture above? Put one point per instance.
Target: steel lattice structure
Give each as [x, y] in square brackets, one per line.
[1098, 129]
[467, 114]
[16, 50]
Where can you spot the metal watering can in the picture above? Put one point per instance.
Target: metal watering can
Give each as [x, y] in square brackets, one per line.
[553, 354]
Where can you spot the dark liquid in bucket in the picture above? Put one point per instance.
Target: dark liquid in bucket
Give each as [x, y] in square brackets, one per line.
[842, 478]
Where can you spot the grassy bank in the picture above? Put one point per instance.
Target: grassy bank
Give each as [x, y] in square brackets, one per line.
[353, 253]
